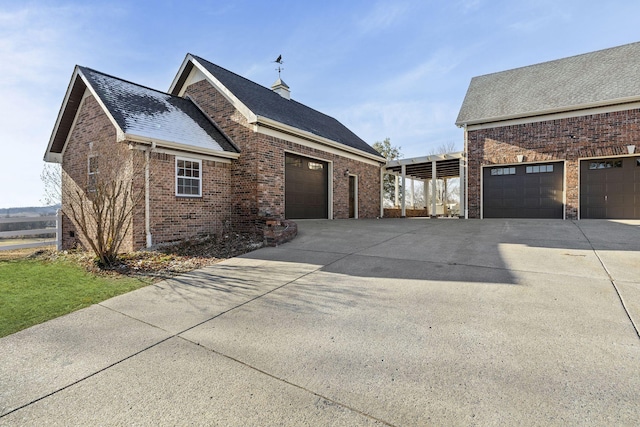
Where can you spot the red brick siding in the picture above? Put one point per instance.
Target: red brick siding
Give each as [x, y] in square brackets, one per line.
[596, 135]
[258, 176]
[92, 126]
[172, 218]
[176, 218]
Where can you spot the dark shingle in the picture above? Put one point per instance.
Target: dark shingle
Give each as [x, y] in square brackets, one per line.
[604, 77]
[266, 103]
[149, 113]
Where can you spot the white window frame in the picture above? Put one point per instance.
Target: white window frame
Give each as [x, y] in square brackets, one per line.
[187, 159]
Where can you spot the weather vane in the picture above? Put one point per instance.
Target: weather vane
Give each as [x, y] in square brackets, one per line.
[280, 62]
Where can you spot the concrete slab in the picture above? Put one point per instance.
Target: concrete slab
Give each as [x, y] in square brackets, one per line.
[622, 264]
[349, 236]
[496, 251]
[403, 322]
[177, 304]
[630, 293]
[612, 234]
[55, 354]
[180, 383]
[551, 349]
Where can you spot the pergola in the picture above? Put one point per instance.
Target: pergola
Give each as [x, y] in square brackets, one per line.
[429, 169]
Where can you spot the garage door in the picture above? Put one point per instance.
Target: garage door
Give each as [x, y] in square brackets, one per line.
[610, 188]
[523, 191]
[305, 188]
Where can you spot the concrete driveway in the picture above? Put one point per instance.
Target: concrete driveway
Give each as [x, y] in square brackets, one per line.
[372, 322]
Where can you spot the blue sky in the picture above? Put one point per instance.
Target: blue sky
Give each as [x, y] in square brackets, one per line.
[396, 69]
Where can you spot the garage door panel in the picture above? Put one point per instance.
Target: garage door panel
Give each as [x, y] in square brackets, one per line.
[610, 188]
[534, 194]
[306, 187]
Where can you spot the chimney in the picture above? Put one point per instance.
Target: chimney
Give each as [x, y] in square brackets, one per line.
[281, 89]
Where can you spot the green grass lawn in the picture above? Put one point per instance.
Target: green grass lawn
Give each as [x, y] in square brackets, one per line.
[34, 291]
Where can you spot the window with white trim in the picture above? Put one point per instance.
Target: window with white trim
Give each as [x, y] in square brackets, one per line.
[188, 177]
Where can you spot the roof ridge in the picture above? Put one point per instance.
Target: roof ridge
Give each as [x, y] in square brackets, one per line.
[231, 72]
[559, 59]
[268, 90]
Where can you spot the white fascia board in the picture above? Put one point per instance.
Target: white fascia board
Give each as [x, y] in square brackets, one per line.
[311, 140]
[564, 113]
[425, 159]
[237, 104]
[174, 83]
[184, 149]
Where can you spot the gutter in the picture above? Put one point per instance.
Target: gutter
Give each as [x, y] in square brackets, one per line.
[176, 146]
[279, 126]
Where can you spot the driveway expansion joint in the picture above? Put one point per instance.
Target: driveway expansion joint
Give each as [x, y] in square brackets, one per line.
[613, 282]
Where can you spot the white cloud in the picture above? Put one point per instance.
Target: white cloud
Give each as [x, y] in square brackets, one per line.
[416, 126]
[383, 16]
[424, 74]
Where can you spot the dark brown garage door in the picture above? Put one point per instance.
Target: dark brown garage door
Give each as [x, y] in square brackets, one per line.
[305, 188]
[610, 188]
[523, 191]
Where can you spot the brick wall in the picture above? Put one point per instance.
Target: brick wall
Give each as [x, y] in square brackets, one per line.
[258, 176]
[569, 139]
[92, 127]
[176, 218]
[172, 218]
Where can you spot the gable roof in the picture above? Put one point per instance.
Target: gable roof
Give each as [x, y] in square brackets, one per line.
[263, 102]
[140, 114]
[601, 78]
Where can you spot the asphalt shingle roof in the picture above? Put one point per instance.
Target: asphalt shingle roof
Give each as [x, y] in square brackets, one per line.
[604, 77]
[156, 115]
[265, 102]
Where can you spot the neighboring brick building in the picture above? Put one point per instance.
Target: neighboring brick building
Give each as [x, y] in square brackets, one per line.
[220, 151]
[557, 139]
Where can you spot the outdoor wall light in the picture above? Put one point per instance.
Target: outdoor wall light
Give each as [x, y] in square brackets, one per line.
[631, 149]
[346, 173]
[520, 158]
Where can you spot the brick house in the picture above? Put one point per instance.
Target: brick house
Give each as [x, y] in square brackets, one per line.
[218, 150]
[557, 139]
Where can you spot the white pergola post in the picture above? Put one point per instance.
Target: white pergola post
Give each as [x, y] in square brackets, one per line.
[434, 188]
[404, 191]
[413, 194]
[425, 190]
[396, 200]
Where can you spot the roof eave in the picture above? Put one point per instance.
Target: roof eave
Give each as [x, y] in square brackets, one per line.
[48, 155]
[261, 120]
[179, 146]
[580, 107]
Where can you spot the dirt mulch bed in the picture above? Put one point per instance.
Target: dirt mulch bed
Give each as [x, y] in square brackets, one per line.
[164, 262]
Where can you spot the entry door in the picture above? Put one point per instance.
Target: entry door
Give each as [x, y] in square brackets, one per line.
[305, 188]
[353, 191]
[610, 188]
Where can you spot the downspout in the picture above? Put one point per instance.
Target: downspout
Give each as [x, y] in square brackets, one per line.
[147, 188]
[466, 172]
